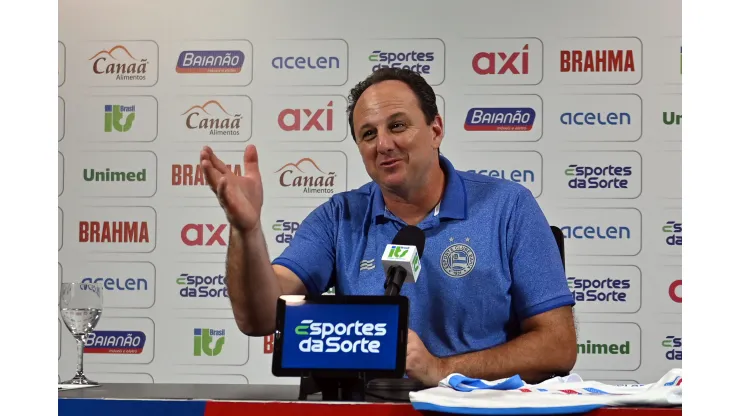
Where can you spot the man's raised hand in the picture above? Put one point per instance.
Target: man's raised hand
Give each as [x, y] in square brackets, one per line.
[241, 197]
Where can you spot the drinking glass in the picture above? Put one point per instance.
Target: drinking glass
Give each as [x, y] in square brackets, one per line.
[81, 305]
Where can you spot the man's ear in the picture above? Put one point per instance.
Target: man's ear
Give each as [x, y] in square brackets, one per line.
[439, 131]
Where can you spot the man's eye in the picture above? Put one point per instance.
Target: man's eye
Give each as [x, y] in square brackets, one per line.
[397, 125]
[368, 134]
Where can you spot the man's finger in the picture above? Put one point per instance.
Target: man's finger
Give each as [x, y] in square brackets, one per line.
[212, 175]
[207, 153]
[251, 161]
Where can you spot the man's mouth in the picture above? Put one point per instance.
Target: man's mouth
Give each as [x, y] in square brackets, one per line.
[389, 163]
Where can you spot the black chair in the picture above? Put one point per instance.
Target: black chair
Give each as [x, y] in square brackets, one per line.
[560, 240]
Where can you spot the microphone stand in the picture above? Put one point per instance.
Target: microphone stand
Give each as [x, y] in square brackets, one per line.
[394, 280]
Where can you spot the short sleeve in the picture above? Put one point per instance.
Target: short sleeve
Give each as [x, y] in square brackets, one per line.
[538, 277]
[311, 253]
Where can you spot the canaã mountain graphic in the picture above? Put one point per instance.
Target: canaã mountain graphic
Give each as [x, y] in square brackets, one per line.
[118, 52]
[298, 164]
[212, 104]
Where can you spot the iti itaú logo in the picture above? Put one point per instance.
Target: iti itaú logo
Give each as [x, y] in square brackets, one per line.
[400, 252]
[329, 336]
[204, 337]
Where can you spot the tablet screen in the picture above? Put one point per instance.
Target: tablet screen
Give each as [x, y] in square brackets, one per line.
[343, 334]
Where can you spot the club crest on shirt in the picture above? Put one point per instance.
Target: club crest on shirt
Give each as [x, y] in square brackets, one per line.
[458, 259]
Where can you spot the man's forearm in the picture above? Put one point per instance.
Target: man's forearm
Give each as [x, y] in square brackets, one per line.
[535, 356]
[251, 282]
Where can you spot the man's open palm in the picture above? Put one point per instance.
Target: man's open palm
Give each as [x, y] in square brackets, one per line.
[241, 197]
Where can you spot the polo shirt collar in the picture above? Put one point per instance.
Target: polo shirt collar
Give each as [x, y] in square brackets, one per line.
[454, 204]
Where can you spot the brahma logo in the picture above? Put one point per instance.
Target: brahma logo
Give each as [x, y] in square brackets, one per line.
[212, 118]
[114, 232]
[192, 175]
[325, 342]
[307, 175]
[600, 60]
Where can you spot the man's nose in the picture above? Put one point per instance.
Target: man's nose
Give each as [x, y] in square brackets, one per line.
[385, 141]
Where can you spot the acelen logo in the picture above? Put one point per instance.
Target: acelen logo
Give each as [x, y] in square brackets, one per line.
[193, 175]
[119, 63]
[500, 63]
[307, 176]
[203, 234]
[598, 60]
[212, 118]
[210, 62]
[307, 119]
[113, 232]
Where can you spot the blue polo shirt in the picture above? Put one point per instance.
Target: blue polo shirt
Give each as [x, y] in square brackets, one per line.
[490, 259]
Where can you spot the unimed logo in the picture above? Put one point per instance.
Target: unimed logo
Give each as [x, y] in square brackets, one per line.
[589, 348]
[328, 336]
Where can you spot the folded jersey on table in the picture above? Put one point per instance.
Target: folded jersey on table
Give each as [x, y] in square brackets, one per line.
[558, 395]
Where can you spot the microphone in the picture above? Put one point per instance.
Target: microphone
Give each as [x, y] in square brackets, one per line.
[401, 259]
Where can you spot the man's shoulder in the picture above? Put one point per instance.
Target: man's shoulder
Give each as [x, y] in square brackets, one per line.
[483, 187]
[350, 200]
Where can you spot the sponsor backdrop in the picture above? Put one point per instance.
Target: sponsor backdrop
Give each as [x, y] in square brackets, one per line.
[578, 101]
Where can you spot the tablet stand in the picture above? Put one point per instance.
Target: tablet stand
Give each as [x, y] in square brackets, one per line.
[344, 389]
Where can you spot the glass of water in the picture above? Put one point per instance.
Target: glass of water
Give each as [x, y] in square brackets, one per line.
[80, 305]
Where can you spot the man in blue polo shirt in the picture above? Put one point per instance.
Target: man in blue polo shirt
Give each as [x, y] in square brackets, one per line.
[492, 299]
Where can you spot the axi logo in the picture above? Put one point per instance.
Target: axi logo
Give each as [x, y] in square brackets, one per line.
[212, 117]
[500, 119]
[318, 182]
[204, 337]
[671, 118]
[285, 230]
[210, 62]
[114, 117]
[331, 344]
[297, 119]
[598, 290]
[202, 286]
[673, 344]
[673, 233]
[412, 60]
[114, 232]
[604, 349]
[601, 60]
[115, 342]
[203, 234]
[192, 175]
[598, 177]
[120, 62]
[499, 63]
[674, 291]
